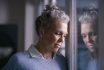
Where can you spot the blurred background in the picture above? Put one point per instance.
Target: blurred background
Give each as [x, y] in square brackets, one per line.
[17, 27]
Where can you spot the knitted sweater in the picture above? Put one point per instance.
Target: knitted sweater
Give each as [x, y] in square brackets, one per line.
[24, 61]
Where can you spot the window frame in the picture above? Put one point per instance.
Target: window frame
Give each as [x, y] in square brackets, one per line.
[72, 48]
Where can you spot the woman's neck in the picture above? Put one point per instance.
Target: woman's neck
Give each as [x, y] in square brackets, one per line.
[42, 48]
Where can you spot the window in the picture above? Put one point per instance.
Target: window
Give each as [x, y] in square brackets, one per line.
[74, 9]
[86, 10]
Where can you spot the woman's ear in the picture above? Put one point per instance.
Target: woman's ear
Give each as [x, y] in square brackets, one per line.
[41, 32]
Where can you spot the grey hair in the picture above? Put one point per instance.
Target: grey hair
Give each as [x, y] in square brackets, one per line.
[50, 14]
[90, 16]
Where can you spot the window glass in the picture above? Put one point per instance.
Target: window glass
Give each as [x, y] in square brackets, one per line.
[87, 16]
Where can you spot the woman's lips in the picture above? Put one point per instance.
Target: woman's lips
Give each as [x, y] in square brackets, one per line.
[57, 45]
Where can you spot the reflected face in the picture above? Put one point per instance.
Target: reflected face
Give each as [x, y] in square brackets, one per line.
[55, 36]
[89, 36]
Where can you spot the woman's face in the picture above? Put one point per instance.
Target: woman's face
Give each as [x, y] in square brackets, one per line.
[55, 36]
[89, 36]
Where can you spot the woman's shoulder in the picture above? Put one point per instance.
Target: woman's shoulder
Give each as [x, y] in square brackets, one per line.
[16, 60]
[20, 55]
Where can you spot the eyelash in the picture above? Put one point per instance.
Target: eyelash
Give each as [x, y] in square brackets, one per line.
[57, 33]
[91, 34]
[60, 34]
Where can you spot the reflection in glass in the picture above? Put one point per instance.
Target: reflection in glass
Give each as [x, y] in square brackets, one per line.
[87, 13]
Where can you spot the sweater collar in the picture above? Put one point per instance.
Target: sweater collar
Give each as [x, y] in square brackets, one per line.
[34, 52]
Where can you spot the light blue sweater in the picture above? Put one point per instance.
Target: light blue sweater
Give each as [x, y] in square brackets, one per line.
[87, 62]
[24, 61]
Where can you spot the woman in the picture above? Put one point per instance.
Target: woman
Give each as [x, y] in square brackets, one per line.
[88, 59]
[51, 27]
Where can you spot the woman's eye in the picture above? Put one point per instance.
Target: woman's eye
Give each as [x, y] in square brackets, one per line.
[58, 33]
[83, 36]
[91, 34]
[61, 34]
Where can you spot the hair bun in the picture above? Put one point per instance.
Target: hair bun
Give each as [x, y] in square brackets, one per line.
[51, 8]
[92, 9]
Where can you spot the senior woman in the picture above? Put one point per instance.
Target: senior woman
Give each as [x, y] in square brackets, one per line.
[51, 27]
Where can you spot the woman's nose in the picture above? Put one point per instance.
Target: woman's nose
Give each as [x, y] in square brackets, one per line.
[62, 39]
[88, 38]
